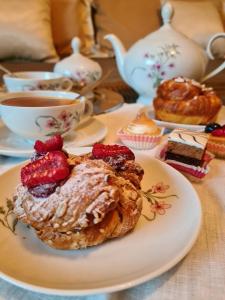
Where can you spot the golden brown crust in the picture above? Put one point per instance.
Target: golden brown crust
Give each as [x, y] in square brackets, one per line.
[184, 101]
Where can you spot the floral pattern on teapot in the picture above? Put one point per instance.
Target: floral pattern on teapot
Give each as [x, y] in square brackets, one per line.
[159, 63]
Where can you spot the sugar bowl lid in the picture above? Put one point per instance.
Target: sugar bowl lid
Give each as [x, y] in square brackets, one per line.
[77, 66]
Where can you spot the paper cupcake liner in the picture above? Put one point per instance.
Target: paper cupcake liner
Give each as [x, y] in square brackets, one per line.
[197, 173]
[193, 173]
[217, 149]
[139, 141]
[192, 178]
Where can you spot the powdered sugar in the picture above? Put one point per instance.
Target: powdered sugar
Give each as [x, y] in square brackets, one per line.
[193, 82]
[83, 199]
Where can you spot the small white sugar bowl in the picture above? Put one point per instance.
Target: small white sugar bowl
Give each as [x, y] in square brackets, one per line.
[79, 68]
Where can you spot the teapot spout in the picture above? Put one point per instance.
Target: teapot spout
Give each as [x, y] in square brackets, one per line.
[119, 51]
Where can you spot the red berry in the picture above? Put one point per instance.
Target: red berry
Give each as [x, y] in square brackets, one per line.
[101, 151]
[51, 168]
[43, 190]
[219, 131]
[40, 147]
[52, 144]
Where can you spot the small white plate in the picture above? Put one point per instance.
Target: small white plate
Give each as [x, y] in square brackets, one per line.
[151, 249]
[149, 110]
[87, 134]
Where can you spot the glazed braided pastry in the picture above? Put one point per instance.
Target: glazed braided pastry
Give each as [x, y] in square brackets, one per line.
[185, 101]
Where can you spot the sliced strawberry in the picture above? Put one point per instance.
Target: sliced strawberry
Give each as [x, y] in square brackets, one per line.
[101, 151]
[51, 168]
[52, 144]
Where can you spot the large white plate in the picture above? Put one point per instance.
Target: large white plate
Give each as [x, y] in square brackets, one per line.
[149, 110]
[151, 249]
[87, 134]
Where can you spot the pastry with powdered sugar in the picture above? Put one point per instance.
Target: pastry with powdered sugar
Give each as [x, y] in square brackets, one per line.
[74, 202]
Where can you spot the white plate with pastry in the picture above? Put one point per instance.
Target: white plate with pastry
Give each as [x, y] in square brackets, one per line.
[165, 232]
[149, 110]
[183, 103]
[87, 134]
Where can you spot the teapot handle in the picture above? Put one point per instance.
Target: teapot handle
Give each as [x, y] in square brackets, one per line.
[210, 55]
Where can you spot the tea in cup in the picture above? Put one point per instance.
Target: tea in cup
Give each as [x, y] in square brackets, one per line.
[40, 114]
[29, 81]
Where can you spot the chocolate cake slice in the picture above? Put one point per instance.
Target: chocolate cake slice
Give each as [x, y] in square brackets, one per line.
[186, 146]
[186, 152]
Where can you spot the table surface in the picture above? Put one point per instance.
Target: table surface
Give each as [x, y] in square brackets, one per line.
[200, 275]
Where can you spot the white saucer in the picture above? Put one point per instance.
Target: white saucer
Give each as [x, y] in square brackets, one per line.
[87, 134]
[149, 110]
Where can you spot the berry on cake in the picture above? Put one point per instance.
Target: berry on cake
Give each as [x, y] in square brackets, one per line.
[74, 202]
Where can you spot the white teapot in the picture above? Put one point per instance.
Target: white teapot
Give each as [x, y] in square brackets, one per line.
[79, 68]
[161, 55]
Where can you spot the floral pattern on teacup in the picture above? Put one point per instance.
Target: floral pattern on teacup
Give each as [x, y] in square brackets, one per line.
[59, 124]
[50, 86]
[53, 86]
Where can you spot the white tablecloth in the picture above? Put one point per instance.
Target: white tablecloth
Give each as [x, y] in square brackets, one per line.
[200, 275]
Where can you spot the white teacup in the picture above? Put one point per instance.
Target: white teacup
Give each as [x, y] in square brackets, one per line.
[40, 114]
[29, 81]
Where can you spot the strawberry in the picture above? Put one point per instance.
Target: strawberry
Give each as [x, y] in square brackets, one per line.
[40, 147]
[219, 131]
[51, 168]
[52, 144]
[101, 151]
